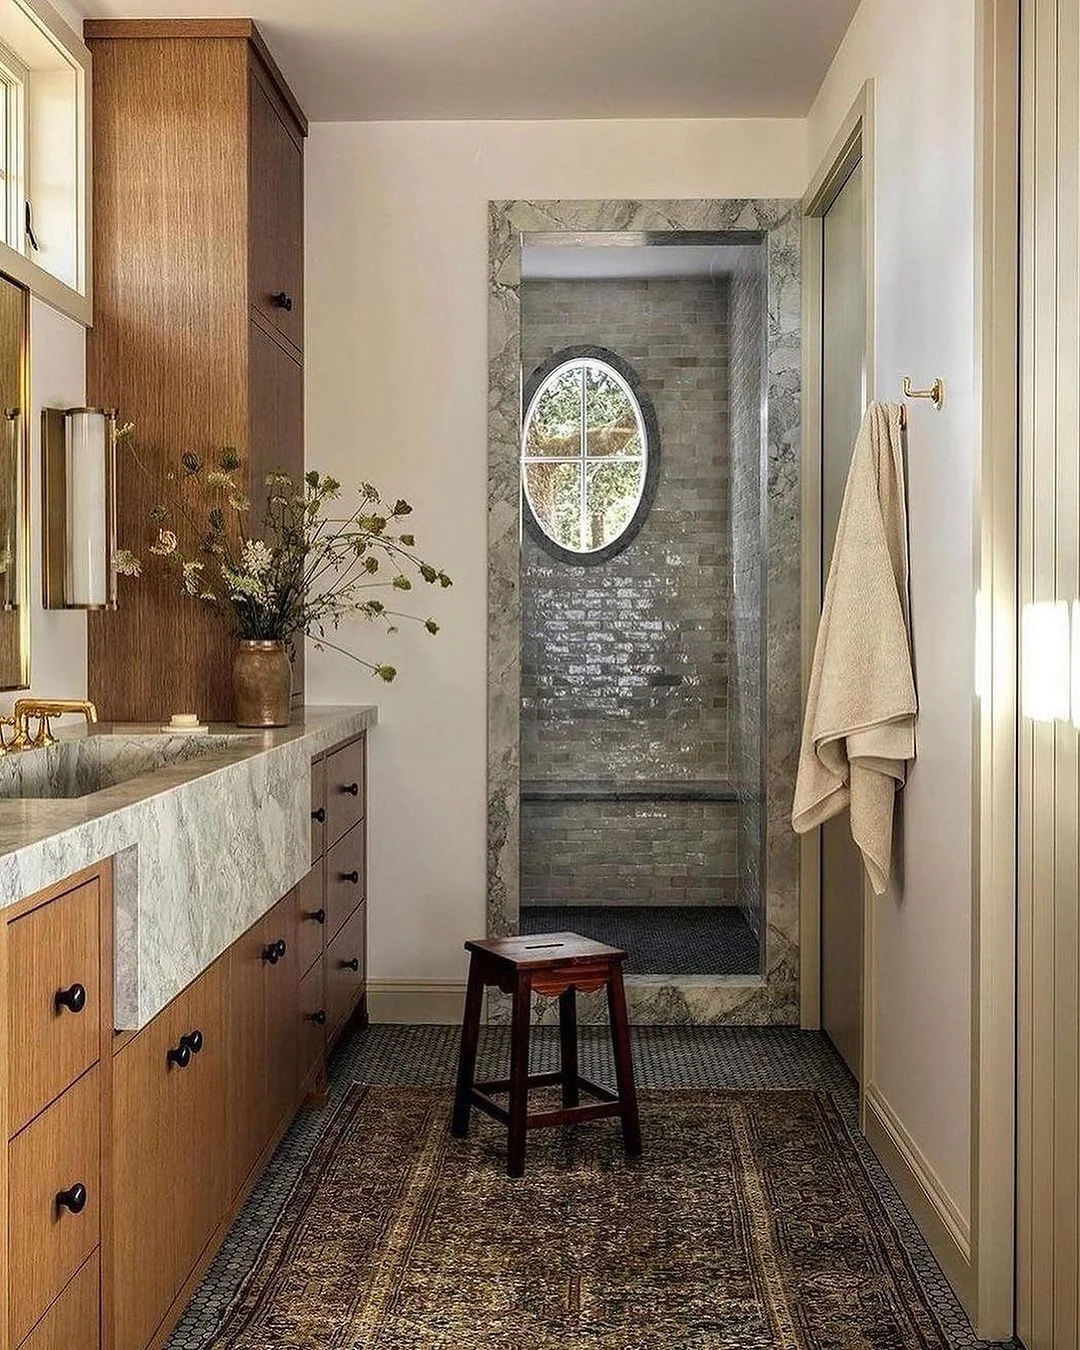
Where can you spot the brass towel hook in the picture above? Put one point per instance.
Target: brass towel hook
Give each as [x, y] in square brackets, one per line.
[936, 392]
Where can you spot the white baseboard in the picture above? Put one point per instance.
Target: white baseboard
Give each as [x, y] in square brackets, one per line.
[946, 1230]
[417, 1003]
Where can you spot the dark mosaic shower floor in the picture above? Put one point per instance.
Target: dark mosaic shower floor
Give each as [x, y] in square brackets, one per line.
[661, 939]
[674, 1057]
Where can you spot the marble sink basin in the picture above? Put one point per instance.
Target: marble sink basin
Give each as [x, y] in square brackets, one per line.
[88, 764]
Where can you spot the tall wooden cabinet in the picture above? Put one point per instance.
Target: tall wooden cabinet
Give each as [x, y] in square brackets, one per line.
[198, 333]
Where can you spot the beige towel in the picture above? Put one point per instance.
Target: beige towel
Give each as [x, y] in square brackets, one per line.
[859, 732]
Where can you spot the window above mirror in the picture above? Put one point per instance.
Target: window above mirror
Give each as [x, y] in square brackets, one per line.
[44, 156]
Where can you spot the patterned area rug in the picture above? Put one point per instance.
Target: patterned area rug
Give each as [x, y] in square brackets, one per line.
[749, 1224]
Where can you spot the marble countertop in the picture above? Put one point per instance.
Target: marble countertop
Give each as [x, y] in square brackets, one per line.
[207, 833]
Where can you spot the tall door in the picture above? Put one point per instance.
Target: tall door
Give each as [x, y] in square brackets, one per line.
[842, 399]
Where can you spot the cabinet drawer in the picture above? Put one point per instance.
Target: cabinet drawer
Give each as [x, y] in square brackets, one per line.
[345, 879]
[54, 950]
[74, 1320]
[312, 1036]
[346, 959]
[311, 917]
[318, 808]
[344, 789]
[48, 1243]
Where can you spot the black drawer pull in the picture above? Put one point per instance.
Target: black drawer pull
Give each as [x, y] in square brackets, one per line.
[318, 1016]
[180, 1055]
[353, 789]
[73, 999]
[354, 964]
[73, 1199]
[273, 953]
[318, 915]
[319, 815]
[353, 876]
[282, 300]
[193, 1040]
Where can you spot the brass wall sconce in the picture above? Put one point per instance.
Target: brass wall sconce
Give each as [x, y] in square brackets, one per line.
[78, 507]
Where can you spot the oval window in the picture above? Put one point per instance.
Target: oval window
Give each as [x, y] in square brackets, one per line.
[587, 455]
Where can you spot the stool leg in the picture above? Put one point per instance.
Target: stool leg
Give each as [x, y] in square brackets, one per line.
[470, 1037]
[519, 1076]
[568, 1051]
[624, 1063]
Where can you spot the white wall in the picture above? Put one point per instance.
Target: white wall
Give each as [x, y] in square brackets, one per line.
[396, 353]
[57, 380]
[921, 55]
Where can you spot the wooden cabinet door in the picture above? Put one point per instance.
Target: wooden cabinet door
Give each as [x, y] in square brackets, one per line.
[311, 917]
[282, 986]
[246, 1030]
[277, 216]
[168, 1165]
[346, 959]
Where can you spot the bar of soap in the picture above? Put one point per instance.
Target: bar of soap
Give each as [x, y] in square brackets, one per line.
[186, 724]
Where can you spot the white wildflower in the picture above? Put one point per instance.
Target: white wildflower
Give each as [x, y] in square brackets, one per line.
[257, 558]
[217, 479]
[166, 544]
[192, 581]
[125, 563]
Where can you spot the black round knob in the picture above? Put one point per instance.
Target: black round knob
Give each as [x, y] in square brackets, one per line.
[319, 814]
[353, 789]
[318, 1016]
[281, 948]
[73, 999]
[193, 1040]
[73, 1199]
[353, 876]
[319, 915]
[271, 955]
[180, 1055]
[354, 964]
[283, 300]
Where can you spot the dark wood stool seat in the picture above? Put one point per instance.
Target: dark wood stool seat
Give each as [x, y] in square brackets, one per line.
[552, 964]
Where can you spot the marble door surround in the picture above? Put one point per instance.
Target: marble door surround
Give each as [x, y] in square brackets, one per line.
[772, 997]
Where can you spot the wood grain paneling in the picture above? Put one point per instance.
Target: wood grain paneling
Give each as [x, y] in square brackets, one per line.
[48, 1243]
[282, 995]
[174, 345]
[53, 948]
[311, 1035]
[247, 1054]
[73, 1322]
[318, 807]
[169, 341]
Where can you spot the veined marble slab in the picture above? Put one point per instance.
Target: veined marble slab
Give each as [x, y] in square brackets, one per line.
[208, 833]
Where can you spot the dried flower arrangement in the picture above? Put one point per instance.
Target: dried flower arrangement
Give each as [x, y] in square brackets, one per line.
[311, 565]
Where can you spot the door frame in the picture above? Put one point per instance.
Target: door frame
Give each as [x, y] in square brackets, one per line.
[852, 143]
[987, 1286]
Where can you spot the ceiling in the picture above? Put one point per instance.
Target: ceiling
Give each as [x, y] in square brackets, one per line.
[371, 60]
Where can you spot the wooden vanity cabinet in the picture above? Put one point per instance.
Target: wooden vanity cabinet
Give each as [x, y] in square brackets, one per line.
[156, 1137]
[198, 340]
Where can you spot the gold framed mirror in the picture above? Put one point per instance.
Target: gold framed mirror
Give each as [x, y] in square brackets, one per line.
[14, 485]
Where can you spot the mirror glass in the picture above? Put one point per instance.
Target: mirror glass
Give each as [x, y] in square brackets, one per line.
[14, 486]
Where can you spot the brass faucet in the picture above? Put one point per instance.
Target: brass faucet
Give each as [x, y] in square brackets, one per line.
[42, 709]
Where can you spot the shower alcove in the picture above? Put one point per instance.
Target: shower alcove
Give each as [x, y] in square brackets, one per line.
[644, 593]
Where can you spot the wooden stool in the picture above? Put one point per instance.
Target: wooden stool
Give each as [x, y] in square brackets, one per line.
[549, 963]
